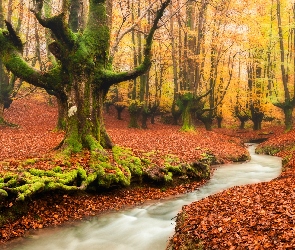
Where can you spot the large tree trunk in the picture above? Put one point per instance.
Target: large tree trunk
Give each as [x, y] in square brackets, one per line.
[145, 115]
[62, 113]
[187, 116]
[85, 124]
[83, 73]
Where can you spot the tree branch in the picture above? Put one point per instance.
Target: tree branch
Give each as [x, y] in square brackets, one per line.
[14, 62]
[14, 38]
[113, 78]
[120, 35]
[57, 25]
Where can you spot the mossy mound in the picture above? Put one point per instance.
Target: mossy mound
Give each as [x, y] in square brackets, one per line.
[102, 170]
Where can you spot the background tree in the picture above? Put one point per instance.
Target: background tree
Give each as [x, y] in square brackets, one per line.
[286, 44]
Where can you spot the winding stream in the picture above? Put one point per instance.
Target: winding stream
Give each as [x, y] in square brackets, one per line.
[149, 226]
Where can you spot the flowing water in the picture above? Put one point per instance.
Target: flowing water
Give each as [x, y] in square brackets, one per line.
[149, 226]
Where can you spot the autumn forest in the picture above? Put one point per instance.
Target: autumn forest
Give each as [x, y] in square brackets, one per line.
[107, 104]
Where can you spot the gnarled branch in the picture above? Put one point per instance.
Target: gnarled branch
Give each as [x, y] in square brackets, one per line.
[58, 27]
[14, 38]
[113, 78]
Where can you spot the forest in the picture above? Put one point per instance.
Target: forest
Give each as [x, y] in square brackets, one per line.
[107, 104]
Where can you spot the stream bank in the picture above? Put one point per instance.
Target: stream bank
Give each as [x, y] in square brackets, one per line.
[149, 225]
[257, 216]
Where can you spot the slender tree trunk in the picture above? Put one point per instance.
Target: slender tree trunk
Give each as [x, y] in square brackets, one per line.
[144, 119]
[257, 124]
[208, 125]
[288, 117]
[119, 111]
[242, 125]
[2, 113]
[219, 121]
[243, 120]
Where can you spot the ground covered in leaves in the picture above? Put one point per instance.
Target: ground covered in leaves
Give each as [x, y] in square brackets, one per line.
[258, 216]
[35, 137]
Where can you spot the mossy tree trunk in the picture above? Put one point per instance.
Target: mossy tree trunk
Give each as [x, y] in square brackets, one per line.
[289, 102]
[5, 90]
[187, 116]
[176, 112]
[83, 71]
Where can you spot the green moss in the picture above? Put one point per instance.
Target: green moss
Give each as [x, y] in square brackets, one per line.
[208, 158]
[29, 162]
[74, 146]
[3, 193]
[59, 186]
[168, 177]
[81, 173]
[27, 190]
[57, 169]
[8, 176]
[174, 169]
[128, 161]
[269, 150]
[91, 178]
[93, 144]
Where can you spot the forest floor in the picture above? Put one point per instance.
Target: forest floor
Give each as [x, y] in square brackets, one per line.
[242, 226]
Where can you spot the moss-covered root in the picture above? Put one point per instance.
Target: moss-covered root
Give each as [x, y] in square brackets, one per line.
[27, 183]
[103, 171]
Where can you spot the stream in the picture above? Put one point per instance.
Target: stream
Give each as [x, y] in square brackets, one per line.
[150, 225]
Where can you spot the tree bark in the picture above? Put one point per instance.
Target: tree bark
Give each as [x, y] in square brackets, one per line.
[256, 117]
[288, 103]
[288, 117]
[187, 116]
[206, 119]
[219, 121]
[1, 113]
